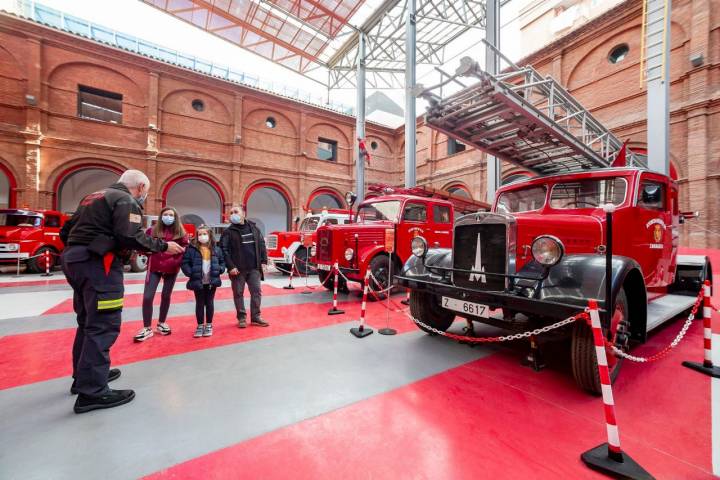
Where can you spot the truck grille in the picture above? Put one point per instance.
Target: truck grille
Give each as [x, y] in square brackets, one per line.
[272, 242]
[491, 239]
[324, 246]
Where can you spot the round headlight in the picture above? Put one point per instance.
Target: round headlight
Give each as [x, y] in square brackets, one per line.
[13, 246]
[419, 246]
[547, 250]
[349, 254]
[313, 251]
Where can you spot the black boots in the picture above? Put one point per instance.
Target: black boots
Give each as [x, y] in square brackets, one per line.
[113, 374]
[113, 398]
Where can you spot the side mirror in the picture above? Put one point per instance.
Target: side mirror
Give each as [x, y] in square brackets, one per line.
[350, 198]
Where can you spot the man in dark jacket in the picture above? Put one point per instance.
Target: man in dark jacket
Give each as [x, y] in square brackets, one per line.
[246, 260]
[106, 223]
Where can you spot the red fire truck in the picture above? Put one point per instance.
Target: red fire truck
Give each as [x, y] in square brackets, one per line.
[26, 235]
[552, 242]
[383, 229]
[283, 247]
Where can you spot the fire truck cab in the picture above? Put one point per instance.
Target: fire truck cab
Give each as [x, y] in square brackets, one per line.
[25, 236]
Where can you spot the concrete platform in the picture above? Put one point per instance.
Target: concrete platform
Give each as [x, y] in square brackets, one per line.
[305, 399]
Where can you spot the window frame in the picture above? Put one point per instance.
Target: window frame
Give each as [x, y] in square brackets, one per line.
[414, 203]
[453, 146]
[333, 150]
[663, 195]
[99, 93]
[549, 200]
[436, 217]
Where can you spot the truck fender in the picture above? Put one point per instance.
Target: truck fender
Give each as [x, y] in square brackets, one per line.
[367, 256]
[293, 248]
[416, 267]
[578, 278]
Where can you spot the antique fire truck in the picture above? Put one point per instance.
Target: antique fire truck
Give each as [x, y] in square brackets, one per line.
[25, 236]
[297, 246]
[379, 237]
[543, 250]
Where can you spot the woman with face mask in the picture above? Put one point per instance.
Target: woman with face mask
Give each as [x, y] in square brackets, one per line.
[203, 264]
[161, 266]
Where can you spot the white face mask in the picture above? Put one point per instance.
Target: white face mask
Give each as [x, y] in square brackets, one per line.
[204, 238]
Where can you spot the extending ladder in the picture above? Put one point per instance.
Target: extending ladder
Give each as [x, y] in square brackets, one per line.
[654, 38]
[523, 118]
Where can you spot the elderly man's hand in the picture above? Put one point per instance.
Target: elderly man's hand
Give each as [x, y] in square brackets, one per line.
[174, 249]
[264, 268]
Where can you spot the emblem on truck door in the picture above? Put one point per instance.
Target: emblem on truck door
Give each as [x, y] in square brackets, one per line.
[478, 264]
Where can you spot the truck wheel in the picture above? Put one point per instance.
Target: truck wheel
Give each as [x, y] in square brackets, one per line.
[328, 282]
[37, 264]
[379, 268]
[301, 262]
[584, 361]
[425, 308]
[285, 268]
[138, 262]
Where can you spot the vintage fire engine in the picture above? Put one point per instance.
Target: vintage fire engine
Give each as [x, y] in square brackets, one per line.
[26, 235]
[383, 229]
[283, 247]
[542, 252]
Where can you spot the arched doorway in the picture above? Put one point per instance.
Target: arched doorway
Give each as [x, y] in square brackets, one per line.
[197, 200]
[75, 184]
[7, 188]
[459, 190]
[325, 198]
[268, 207]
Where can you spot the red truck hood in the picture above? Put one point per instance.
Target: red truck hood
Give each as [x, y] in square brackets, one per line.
[14, 234]
[579, 233]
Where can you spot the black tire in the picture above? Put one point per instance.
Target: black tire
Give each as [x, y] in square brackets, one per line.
[285, 268]
[329, 284]
[583, 358]
[37, 264]
[425, 308]
[380, 270]
[138, 262]
[302, 267]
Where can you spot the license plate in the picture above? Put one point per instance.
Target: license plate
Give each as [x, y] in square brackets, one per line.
[476, 309]
[321, 266]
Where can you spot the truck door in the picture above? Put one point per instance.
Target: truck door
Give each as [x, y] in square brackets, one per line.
[51, 231]
[653, 235]
[441, 227]
[413, 223]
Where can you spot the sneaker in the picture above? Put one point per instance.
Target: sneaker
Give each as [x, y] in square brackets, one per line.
[199, 331]
[259, 322]
[113, 398]
[164, 329]
[208, 330]
[113, 374]
[143, 335]
[242, 323]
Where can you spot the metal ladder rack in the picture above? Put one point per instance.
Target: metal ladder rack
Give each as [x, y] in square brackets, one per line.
[523, 118]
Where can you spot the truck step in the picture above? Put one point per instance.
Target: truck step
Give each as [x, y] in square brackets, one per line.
[666, 307]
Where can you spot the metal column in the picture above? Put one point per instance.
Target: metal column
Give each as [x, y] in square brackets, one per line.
[360, 120]
[657, 44]
[410, 115]
[492, 36]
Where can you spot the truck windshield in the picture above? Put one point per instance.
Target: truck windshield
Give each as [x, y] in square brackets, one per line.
[373, 212]
[590, 193]
[15, 220]
[310, 224]
[523, 200]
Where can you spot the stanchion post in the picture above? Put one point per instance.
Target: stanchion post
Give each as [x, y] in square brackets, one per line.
[609, 209]
[47, 264]
[334, 310]
[608, 458]
[307, 287]
[387, 330]
[406, 301]
[17, 273]
[289, 286]
[362, 331]
[707, 366]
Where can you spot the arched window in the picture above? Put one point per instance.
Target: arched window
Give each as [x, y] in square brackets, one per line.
[82, 181]
[269, 208]
[197, 200]
[459, 190]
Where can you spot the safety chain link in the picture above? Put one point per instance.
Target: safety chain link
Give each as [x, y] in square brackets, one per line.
[662, 353]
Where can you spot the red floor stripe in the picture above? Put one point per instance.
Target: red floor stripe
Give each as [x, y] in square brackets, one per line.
[178, 296]
[58, 280]
[489, 419]
[40, 356]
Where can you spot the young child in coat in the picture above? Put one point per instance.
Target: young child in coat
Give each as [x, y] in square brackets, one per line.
[203, 264]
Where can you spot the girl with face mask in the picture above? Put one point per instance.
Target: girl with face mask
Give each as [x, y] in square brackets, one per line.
[162, 266]
[203, 264]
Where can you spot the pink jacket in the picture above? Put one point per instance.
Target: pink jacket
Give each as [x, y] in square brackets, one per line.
[164, 262]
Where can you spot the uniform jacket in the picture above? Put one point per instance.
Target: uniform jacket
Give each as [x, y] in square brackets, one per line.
[192, 267]
[230, 243]
[109, 220]
[163, 262]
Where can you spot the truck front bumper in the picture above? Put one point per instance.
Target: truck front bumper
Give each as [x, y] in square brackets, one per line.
[508, 301]
[350, 273]
[8, 256]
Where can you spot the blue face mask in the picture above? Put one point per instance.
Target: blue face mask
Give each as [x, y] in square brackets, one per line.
[236, 218]
[168, 220]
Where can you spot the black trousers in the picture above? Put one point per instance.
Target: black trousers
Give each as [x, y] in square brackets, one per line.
[97, 301]
[152, 280]
[205, 304]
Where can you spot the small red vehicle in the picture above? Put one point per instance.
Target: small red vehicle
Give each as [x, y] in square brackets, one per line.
[283, 247]
[26, 235]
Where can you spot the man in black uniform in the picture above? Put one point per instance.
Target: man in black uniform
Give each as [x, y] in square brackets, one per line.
[105, 223]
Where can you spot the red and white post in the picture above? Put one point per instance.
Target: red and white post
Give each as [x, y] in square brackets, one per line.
[707, 366]
[608, 458]
[362, 331]
[334, 310]
[48, 260]
[289, 286]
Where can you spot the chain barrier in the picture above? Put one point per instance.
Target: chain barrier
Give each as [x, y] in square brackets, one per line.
[662, 353]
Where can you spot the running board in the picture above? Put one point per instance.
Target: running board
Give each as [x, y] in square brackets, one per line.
[666, 307]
